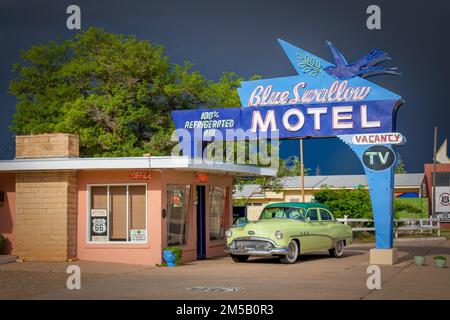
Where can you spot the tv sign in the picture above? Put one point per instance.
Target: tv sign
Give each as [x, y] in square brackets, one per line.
[378, 158]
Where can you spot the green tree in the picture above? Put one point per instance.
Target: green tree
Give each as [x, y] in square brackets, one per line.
[354, 203]
[114, 91]
[400, 168]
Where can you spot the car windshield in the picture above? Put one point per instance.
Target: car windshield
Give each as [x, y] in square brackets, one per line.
[283, 213]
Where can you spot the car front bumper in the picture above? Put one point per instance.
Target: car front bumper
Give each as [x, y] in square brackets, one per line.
[274, 249]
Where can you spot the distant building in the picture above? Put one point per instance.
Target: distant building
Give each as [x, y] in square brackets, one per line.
[406, 185]
[442, 192]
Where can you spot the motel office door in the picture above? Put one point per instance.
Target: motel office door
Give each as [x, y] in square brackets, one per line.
[201, 230]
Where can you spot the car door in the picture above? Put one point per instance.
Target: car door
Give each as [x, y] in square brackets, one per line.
[315, 231]
[328, 223]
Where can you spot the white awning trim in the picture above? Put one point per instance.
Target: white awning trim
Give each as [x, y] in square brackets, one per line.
[124, 163]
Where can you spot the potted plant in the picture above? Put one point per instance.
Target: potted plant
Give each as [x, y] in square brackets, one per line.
[420, 260]
[172, 256]
[440, 261]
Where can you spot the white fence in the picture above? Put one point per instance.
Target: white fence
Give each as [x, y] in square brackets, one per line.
[400, 225]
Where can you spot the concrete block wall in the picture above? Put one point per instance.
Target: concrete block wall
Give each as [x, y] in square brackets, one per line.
[46, 220]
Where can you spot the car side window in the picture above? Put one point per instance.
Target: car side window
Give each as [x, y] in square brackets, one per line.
[312, 214]
[280, 214]
[295, 214]
[325, 215]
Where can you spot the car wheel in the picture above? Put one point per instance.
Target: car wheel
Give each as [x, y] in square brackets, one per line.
[292, 254]
[338, 249]
[239, 258]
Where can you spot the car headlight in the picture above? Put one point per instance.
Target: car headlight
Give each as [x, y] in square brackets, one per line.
[278, 234]
[228, 233]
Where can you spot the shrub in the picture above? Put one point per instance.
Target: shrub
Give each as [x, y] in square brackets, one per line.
[2, 242]
[178, 253]
[354, 203]
[401, 206]
[440, 258]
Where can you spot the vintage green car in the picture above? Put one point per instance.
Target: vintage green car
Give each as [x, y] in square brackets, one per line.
[288, 229]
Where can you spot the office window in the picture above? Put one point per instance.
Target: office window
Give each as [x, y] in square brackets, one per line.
[217, 203]
[137, 229]
[117, 214]
[178, 213]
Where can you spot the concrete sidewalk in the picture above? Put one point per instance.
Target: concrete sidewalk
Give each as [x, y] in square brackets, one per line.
[314, 276]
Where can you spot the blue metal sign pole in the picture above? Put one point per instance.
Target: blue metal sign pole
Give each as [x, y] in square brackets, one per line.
[381, 188]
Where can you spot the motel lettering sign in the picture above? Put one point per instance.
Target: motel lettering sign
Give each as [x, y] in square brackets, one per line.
[315, 103]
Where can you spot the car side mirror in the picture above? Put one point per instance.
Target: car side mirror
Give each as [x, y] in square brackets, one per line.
[308, 219]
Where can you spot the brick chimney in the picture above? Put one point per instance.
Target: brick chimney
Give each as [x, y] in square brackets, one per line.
[47, 145]
[46, 201]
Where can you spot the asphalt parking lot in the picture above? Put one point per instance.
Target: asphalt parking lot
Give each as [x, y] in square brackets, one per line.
[314, 276]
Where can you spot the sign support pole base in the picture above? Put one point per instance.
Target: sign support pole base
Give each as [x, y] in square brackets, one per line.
[383, 256]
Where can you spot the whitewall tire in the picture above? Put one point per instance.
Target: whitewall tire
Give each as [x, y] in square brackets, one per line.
[292, 254]
[338, 250]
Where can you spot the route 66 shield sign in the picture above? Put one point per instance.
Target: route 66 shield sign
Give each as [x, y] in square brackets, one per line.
[99, 228]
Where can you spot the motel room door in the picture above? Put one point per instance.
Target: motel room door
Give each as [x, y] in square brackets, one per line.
[201, 230]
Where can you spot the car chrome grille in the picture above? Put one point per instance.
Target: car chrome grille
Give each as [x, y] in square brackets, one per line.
[253, 245]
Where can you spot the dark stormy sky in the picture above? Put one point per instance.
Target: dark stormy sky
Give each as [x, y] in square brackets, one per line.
[240, 36]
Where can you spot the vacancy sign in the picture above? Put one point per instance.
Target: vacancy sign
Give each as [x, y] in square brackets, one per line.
[378, 138]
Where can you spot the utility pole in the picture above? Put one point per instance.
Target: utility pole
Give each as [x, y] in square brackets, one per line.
[302, 171]
[433, 212]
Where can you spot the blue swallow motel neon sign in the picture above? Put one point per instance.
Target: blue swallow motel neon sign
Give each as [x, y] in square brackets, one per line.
[324, 99]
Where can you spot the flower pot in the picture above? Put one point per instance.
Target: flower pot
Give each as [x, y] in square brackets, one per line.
[420, 260]
[440, 263]
[170, 258]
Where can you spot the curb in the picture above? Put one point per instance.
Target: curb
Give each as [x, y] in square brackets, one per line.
[420, 239]
[7, 259]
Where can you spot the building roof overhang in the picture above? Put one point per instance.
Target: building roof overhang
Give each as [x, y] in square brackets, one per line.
[181, 163]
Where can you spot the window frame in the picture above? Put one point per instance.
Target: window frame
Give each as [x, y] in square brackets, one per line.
[329, 212]
[88, 212]
[190, 202]
[318, 214]
[225, 199]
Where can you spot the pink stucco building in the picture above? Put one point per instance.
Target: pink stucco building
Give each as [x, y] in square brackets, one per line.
[57, 206]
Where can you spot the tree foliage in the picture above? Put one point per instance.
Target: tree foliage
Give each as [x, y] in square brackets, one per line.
[114, 91]
[117, 93]
[400, 168]
[355, 203]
